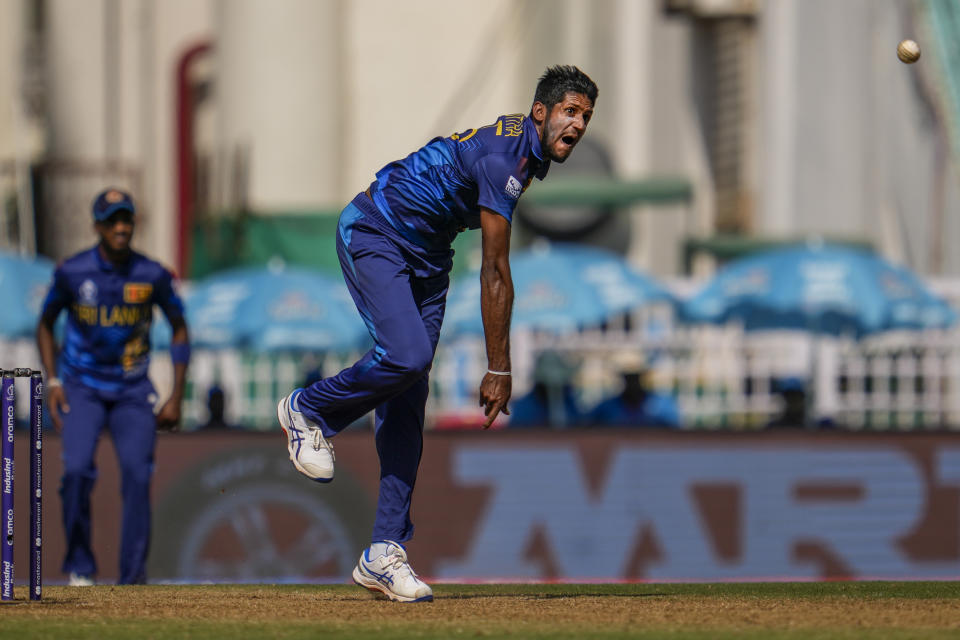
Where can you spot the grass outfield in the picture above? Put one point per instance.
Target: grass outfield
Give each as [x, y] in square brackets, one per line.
[679, 611]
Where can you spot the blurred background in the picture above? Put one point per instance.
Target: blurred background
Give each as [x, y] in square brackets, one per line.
[755, 237]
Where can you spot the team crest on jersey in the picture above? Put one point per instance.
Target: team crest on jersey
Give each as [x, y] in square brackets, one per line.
[88, 292]
[513, 188]
[137, 292]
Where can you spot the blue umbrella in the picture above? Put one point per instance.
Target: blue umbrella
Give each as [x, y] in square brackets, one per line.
[559, 289]
[273, 310]
[23, 286]
[827, 289]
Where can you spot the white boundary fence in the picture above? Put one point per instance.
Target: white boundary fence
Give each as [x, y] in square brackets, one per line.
[722, 377]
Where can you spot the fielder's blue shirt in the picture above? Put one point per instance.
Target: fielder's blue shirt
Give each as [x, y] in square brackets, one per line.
[437, 191]
[106, 344]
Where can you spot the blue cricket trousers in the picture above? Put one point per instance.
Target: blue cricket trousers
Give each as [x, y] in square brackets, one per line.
[402, 300]
[128, 415]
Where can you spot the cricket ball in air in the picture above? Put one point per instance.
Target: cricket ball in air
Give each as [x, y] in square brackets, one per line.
[908, 51]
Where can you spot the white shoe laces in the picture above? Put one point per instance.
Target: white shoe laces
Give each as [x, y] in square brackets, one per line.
[320, 441]
[398, 561]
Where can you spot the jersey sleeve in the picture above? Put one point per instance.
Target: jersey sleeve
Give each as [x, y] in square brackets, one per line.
[58, 297]
[167, 298]
[498, 189]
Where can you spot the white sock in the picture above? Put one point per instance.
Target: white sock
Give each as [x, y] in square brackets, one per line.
[378, 549]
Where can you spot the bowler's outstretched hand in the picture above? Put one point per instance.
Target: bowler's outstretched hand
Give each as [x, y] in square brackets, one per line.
[494, 394]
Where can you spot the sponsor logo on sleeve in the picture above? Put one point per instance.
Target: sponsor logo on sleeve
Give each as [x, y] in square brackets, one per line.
[513, 188]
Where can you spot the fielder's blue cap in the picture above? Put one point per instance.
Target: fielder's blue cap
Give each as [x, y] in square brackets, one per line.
[110, 201]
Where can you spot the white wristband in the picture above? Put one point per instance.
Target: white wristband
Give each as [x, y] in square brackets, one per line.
[498, 373]
[53, 382]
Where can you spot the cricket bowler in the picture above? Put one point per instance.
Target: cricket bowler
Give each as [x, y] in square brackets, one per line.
[394, 245]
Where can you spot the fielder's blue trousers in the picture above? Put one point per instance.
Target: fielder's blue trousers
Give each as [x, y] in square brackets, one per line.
[129, 417]
[401, 298]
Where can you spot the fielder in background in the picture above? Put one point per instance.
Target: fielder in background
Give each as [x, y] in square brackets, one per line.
[394, 244]
[100, 379]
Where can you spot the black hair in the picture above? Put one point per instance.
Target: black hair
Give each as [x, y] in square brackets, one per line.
[557, 81]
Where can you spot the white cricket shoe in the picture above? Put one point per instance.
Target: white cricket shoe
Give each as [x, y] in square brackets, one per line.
[384, 567]
[78, 580]
[310, 452]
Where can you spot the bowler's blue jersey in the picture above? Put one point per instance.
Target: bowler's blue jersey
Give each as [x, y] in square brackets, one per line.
[437, 191]
[110, 310]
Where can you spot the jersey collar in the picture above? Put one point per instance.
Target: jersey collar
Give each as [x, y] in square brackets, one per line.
[540, 166]
[106, 265]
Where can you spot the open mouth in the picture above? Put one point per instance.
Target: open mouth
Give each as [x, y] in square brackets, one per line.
[569, 140]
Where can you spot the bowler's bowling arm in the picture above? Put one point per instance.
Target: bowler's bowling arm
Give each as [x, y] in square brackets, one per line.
[496, 306]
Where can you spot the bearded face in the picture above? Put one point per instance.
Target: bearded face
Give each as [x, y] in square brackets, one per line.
[565, 125]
